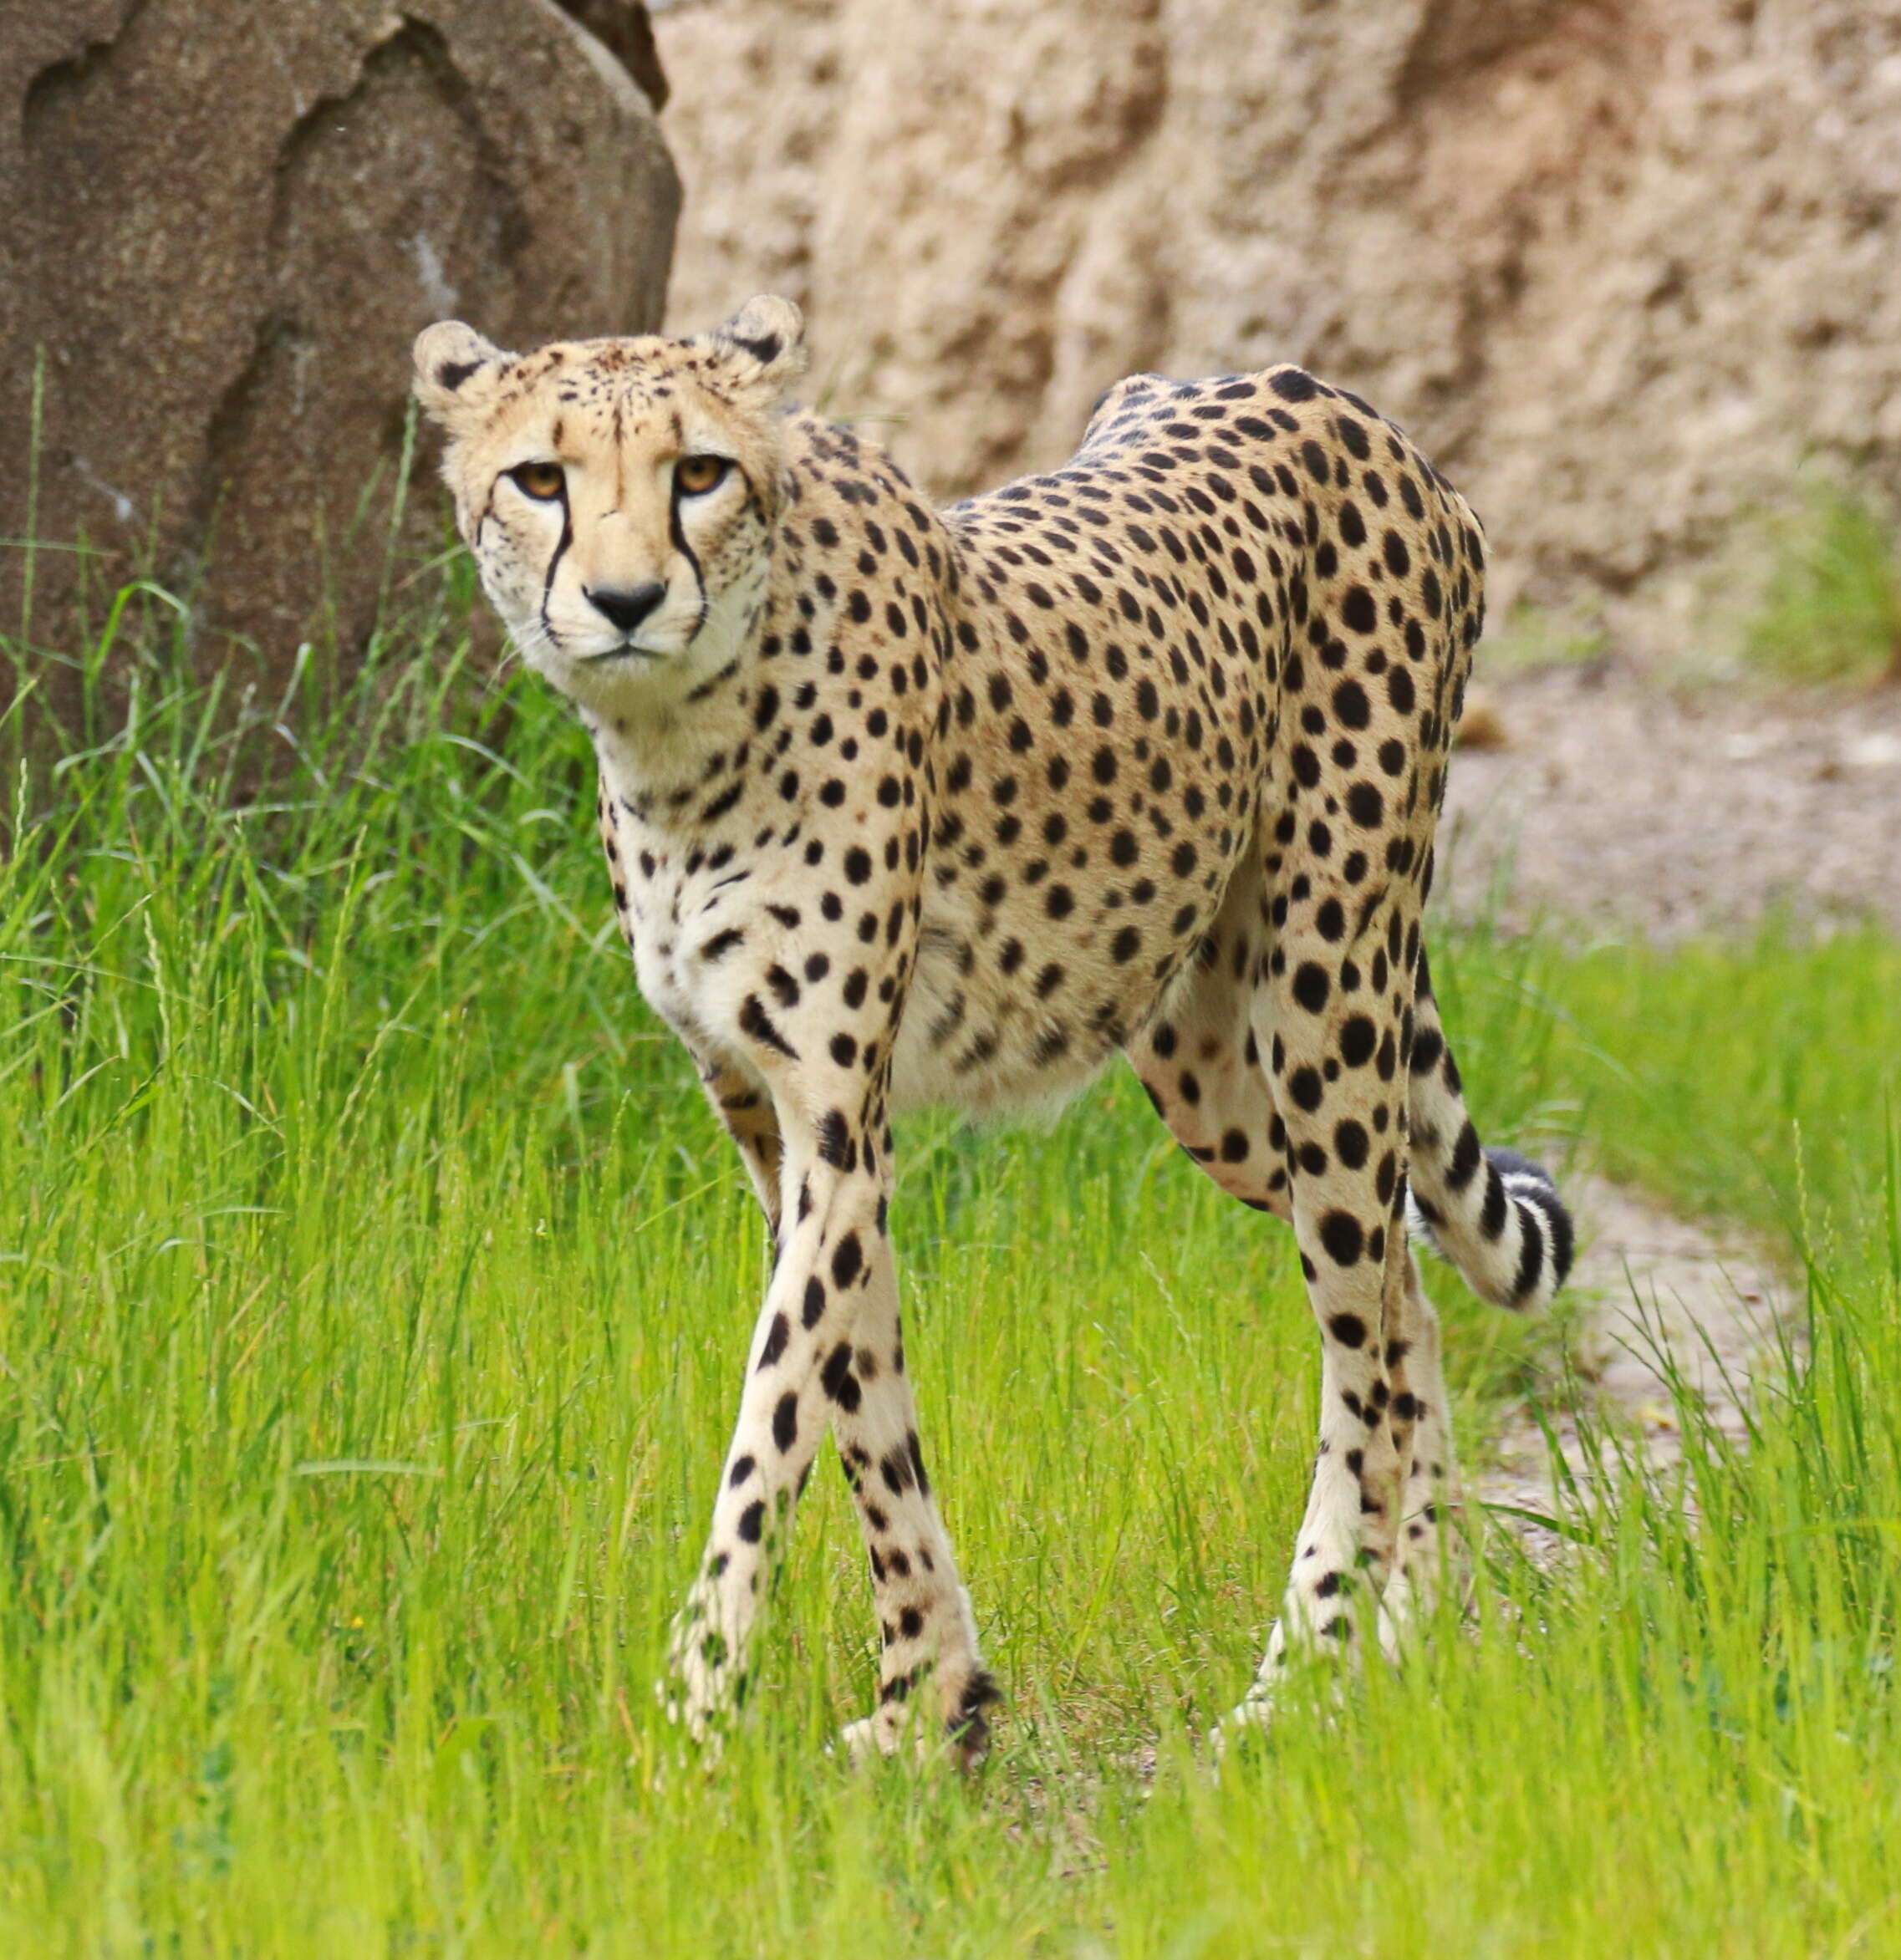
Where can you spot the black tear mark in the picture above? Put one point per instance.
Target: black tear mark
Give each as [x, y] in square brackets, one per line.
[554, 563]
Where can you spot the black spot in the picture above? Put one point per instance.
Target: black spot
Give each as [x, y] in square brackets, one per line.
[848, 1260]
[785, 1421]
[814, 1311]
[1387, 1179]
[756, 1022]
[1531, 1254]
[1311, 986]
[1365, 805]
[835, 1143]
[752, 1522]
[1292, 384]
[838, 1380]
[1465, 1160]
[1341, 1234]
[1349, 1329]
[1493, 1213]
[1359, 1038]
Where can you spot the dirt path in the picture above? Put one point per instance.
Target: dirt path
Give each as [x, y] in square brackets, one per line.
[1652, 1293]
[1611, 799]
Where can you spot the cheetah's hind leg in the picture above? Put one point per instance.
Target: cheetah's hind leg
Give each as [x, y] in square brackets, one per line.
[1203, 1063]
[1428, 1478]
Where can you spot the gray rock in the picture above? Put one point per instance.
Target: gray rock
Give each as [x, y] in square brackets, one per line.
[221, 225]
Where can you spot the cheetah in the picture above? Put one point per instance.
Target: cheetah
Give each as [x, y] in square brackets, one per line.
[905, 806]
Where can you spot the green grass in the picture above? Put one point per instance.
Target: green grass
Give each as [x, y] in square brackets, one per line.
[1831, 609]
[374, 1288]
[1532, 639]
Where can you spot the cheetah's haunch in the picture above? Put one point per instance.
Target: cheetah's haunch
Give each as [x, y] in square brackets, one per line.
[907, 806]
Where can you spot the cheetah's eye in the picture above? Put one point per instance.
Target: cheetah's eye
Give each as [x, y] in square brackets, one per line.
[543, 482]
[695, 475]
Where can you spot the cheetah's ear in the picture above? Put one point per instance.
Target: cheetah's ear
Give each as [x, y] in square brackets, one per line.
[456, 369]
[763, 344]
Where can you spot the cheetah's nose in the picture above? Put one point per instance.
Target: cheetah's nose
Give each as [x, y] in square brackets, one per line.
[627, 609]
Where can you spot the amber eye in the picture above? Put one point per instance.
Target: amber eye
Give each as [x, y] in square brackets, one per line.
[695, 475]
[543, 482]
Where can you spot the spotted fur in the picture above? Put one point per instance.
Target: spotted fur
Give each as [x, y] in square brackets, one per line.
[907, 806]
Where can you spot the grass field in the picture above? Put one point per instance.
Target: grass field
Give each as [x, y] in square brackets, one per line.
[374, 1288]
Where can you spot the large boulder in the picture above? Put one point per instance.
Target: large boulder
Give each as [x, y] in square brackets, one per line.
[1620, 265]
[221, 225]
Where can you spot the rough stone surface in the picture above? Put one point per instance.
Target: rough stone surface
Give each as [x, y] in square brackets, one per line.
[224, 225]
[1619, 265]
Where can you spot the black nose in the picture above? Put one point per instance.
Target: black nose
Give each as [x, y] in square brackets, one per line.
[627, 609]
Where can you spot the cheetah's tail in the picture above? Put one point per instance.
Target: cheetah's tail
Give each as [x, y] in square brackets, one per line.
[1495, 1215]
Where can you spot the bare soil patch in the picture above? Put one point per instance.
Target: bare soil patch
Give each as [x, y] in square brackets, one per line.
[1654, 1297]
[1606, 799]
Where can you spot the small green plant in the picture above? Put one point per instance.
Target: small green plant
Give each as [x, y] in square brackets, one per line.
[1532, 639]
[1831, 610]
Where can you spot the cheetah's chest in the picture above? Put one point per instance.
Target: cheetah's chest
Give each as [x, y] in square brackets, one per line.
[680, 917]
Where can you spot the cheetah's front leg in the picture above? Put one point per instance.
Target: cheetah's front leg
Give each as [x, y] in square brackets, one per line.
[1422, 1431]
[829, 1340]
[831, 1249]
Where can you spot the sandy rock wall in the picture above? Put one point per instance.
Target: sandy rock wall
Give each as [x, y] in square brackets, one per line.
[1620, 265]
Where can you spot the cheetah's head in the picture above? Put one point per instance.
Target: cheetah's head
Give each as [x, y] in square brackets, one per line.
[618, 496]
